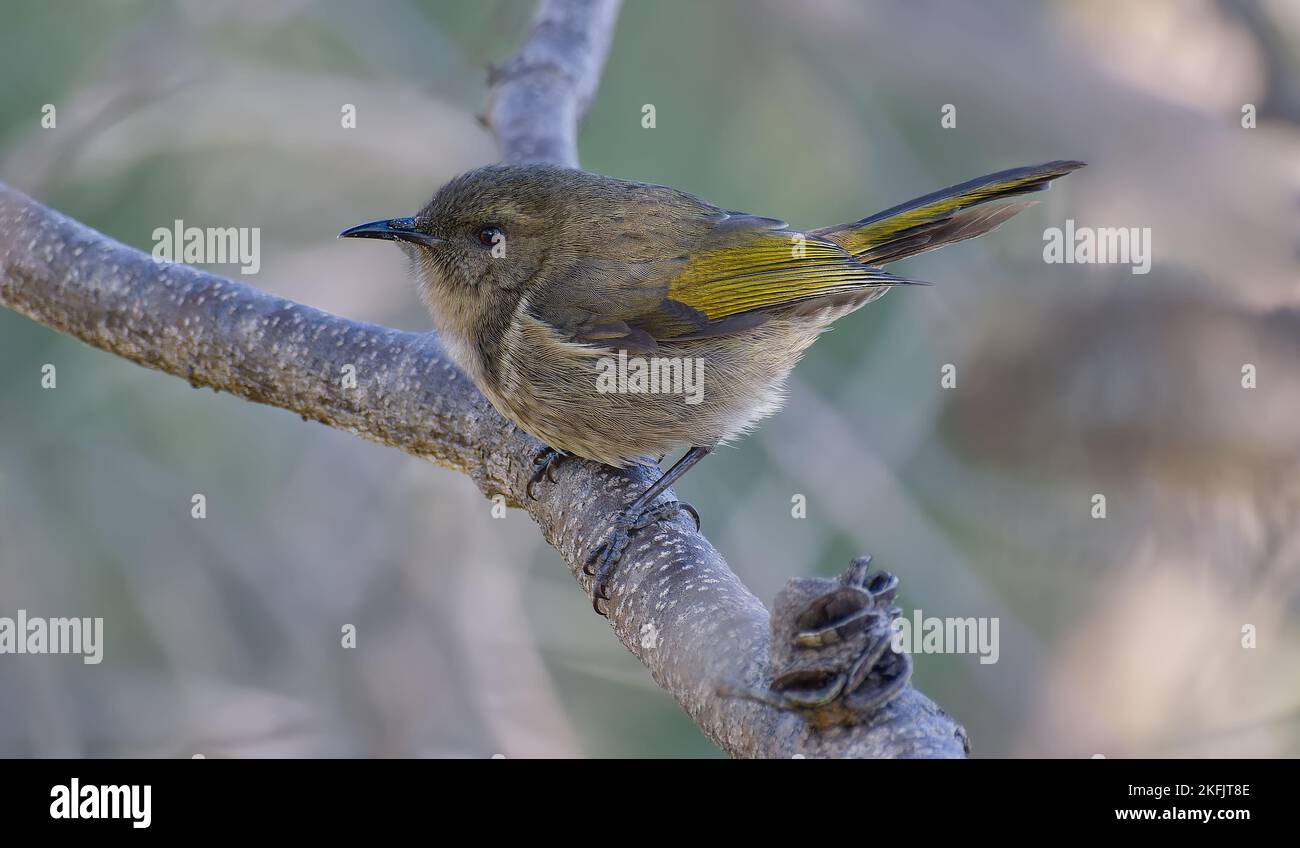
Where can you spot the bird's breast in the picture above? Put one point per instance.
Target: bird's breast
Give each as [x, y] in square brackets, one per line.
[619, 408]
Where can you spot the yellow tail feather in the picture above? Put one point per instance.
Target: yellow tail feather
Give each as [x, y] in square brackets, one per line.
[944, 216]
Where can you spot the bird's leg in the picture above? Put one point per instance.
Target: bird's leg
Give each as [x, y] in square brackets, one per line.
[544, 465]
[636, 516]
[695, 515]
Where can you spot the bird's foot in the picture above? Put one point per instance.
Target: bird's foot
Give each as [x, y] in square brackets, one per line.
[544, 465]
[601, 564]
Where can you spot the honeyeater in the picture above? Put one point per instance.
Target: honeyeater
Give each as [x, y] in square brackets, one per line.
[580, 304]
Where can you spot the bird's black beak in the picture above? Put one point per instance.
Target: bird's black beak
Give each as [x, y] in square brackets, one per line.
[395, 229]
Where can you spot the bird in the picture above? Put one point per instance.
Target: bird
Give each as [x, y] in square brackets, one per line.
[550, 286]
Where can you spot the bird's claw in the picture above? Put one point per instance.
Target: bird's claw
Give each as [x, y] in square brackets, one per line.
[694, 513]
[600, 565]
[544, 465]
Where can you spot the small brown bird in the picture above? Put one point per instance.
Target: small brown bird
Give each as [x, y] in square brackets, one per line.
[620, 321]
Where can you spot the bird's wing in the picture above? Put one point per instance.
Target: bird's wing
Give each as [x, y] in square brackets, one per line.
[751, 266]
[722, 272]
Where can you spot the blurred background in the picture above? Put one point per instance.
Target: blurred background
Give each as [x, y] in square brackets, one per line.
[1121, 636]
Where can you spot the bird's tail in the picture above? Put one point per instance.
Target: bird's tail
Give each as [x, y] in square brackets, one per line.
[944, 216]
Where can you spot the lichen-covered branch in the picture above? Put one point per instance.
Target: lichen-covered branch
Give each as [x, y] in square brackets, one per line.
[675, 603]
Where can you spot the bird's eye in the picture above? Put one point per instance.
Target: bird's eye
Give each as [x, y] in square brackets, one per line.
[489, 236]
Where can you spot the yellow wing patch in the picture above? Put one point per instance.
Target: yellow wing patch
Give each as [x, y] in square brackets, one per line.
[768, 269]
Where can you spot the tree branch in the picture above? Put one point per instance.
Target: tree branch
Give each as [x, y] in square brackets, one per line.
[675, 603]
